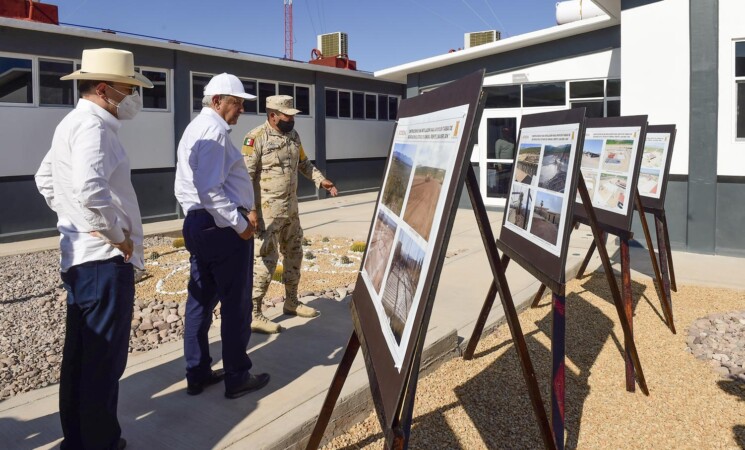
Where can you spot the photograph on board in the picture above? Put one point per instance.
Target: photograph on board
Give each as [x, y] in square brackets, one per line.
[431, 166]
[618, 155]
[527, 163]
[397, 181]
[401, 283]
[520, 205]
[546, 216]
[554, 167]
[379, 250]
[591, 153]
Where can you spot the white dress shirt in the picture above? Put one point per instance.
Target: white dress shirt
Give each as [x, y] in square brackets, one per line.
[210, 172]
[85, 179]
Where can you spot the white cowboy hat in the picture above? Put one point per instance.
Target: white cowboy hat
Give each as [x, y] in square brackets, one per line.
[109, 64]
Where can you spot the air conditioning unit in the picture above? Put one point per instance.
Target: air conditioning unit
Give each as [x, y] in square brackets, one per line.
[481, 37]
[333, 44]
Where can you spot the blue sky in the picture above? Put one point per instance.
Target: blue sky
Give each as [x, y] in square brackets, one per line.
[382, 33]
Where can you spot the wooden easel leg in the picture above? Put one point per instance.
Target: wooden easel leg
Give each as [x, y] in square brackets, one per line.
[628, 308]
[613, 285]
[538, 296]
[332, 395]
[478, 329]
[663, 293]
[663, 218]
[665, 269]
[558, 355]
[498, 274]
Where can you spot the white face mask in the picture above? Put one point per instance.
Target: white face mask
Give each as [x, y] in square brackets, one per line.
[130, 105]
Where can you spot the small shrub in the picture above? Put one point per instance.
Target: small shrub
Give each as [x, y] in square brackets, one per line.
[309, 255]
[358, 246]
[179, 243]
[306, 242]
[154, 256]
[279, 274]
[325, 239]
[345, 259]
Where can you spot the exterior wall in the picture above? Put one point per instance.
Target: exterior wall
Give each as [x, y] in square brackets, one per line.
[351, 153]
[655, 70]
[731, 152]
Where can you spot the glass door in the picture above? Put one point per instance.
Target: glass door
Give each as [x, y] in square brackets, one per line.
[498, 153]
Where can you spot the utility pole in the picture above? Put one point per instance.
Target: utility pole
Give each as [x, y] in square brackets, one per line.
[288, 29]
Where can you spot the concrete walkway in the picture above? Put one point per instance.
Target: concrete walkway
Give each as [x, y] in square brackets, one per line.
[155, 411]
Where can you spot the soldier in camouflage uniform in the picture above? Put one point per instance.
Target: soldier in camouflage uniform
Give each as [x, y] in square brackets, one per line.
[274, 156]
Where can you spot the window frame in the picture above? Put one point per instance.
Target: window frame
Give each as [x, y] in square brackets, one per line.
[37, 94]
[169, 88]
[738, 81]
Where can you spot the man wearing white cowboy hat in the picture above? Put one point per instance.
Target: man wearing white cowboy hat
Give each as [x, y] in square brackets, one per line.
[214, 190]
[274, 157]
[85, 179]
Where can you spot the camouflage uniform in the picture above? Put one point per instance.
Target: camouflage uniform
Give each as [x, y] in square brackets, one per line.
[273, 160]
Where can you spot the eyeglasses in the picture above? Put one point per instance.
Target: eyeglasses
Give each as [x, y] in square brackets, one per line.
[128, 90]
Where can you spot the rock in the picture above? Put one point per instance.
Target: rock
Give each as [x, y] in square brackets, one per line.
[160, 325]
[172, 318]
[341, 292]
[145, 326]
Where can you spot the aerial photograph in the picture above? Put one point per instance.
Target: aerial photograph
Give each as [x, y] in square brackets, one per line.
[431, 167]
[397, 180]
[554, 167]
[379, 249]
[618, 155]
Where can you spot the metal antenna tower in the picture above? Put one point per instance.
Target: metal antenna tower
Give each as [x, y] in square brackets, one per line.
[288, 29]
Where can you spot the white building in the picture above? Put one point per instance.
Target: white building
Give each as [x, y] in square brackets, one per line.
[680, 62]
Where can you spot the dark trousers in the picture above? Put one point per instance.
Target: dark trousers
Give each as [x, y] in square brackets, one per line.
[221, 268]
[100, 298]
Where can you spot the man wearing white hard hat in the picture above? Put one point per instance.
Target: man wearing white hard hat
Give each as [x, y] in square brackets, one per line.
[214, 189]
[85, 179]
[274, 156]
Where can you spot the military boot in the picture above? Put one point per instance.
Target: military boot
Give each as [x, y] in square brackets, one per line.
[259, 322]
[293, 307]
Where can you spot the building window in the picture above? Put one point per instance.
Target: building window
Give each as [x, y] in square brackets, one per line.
[332, 103]
[157, 97]
[358, 105]
[613, 88]
[265, 90]
[613, 108]
[592, 108]
[345, 105]
[250, 106]
[52, 90]
[544, 94]
[286, 89]
[586, 89]
[503, 96]
[371, 105]
[16, 81]
[302, 100]
[382, 107]
[740, 85]
[392, 108]
[198, 82]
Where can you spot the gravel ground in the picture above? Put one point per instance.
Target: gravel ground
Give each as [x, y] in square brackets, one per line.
[32, 304]
[483, 403]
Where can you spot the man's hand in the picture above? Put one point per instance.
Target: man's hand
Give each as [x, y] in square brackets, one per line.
[248, 233]
[253, 219]
[329, 186]
[126, 246]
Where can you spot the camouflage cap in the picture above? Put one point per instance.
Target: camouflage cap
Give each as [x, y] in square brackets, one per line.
[282, 103]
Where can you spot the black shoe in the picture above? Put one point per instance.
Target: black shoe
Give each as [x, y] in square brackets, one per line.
[253, 383]
[196, 388]
[122, 444]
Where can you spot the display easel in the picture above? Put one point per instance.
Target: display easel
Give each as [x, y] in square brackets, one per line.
[558, 339]
[394, 396]
[531, 260]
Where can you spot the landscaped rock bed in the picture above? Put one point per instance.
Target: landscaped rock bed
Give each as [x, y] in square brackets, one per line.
[32, 303]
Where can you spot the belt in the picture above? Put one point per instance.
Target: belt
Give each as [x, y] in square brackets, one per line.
[195, 212]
